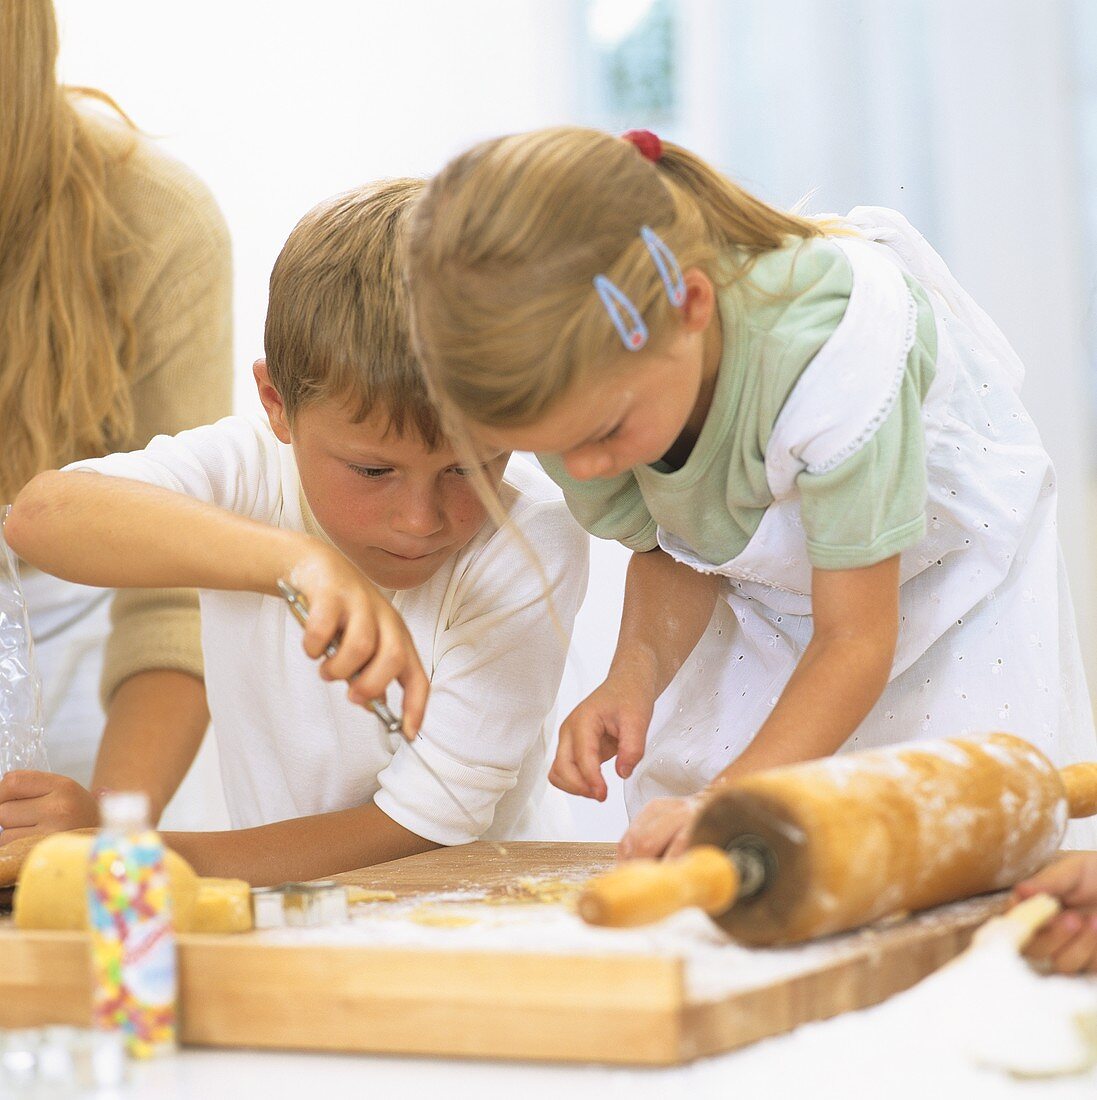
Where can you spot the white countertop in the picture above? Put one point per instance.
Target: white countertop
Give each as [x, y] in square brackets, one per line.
[772, 1070]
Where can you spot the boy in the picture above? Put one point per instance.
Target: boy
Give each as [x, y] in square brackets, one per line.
[348, 490]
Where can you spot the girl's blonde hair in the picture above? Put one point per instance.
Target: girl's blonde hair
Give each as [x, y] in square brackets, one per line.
[505, 241]
[68, 334]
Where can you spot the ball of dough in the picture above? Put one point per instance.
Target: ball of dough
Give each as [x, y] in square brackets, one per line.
[53, 883]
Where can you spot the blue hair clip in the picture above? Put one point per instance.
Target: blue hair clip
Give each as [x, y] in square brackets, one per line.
[666, 264]
[624, 315]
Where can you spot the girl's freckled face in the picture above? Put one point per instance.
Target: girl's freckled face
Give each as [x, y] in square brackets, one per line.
[631, 417]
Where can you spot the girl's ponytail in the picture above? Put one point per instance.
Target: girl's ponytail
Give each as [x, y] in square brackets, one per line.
[734, 218]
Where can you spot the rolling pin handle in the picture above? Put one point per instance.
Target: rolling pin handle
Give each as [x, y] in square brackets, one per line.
[1080, 781]
[642, 891]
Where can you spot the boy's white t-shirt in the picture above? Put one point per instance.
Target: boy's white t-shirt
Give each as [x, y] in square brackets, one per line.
[292, 745]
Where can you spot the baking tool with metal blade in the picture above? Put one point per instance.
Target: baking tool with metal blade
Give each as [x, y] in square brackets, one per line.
[298, 606]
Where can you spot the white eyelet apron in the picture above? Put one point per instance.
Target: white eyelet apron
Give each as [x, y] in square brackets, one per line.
[987, 637]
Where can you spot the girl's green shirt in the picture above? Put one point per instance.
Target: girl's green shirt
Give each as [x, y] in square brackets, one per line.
[775, 321]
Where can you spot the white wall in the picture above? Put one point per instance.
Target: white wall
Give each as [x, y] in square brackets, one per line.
[279, 104]
[1006, 169]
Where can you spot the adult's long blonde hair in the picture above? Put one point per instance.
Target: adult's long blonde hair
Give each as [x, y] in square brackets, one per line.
[67, 341]
[505, 241]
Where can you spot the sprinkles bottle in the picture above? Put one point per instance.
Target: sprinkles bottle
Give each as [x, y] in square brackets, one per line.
[132, 942]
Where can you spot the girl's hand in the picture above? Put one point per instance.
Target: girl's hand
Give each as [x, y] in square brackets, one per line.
[373, 644]
[612, 721]
[661, 828]
[1068, 941]
[36, 803]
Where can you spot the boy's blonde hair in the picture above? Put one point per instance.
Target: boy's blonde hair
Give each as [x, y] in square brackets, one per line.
[337, 319]
[504, 243]
[67, 318]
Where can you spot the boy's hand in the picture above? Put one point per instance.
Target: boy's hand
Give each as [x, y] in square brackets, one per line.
[1068, 941]
[38, 803]
[661, 828]
[612, 721]
[374, 645]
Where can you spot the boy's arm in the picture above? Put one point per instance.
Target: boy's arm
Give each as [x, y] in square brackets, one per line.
[300, 849]
[498, 667]
[113, 532]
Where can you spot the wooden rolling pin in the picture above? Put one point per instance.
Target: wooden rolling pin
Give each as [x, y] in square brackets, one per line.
[808, 850]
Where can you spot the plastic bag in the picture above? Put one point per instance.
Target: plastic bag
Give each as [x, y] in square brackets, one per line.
[22, 744]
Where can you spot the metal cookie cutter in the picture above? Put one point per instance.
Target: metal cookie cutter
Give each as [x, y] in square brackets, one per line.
[300, 905]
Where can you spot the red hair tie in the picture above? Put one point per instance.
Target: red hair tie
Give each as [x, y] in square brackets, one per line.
[651, 148]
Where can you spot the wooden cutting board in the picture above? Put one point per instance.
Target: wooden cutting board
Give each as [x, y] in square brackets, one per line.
[238, 991]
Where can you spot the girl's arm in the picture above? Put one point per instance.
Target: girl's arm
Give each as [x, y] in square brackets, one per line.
[301, 848]
[842, 673]
[667, 608]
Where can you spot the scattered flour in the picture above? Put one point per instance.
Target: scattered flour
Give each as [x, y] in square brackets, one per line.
[714, 965]
[990, 1010]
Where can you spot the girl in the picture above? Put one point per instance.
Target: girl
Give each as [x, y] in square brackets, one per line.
[806, 422]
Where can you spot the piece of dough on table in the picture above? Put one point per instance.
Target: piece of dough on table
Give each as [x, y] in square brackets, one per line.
[53, 882]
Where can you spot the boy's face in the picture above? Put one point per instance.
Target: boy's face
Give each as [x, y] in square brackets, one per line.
[395, 508]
